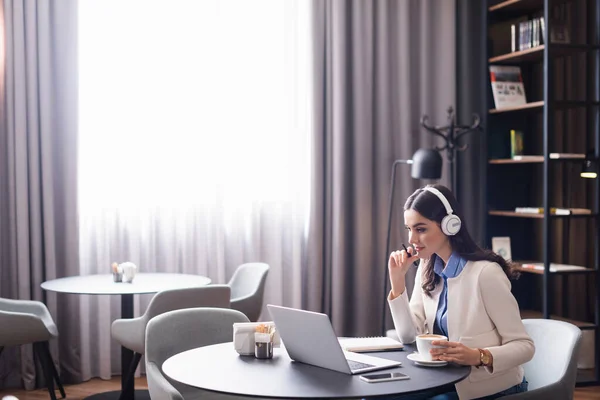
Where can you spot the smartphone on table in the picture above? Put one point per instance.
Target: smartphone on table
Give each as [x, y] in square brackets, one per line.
[384, 377]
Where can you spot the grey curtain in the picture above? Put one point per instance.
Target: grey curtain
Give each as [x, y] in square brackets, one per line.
[379, 66]
[38, 191]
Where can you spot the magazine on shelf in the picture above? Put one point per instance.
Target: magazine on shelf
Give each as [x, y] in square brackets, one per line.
[507, 86]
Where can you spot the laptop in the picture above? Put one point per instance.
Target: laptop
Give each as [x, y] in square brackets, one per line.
[309, 338]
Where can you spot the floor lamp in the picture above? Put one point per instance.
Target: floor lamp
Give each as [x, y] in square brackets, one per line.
[426, 164]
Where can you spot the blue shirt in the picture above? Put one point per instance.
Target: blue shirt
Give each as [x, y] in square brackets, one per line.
[453, 268]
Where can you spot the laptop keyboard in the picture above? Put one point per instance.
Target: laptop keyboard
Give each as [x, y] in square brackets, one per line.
[354, 365]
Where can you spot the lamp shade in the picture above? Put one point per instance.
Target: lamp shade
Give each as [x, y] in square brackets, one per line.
[426, 164]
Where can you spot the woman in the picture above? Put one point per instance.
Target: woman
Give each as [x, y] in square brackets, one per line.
[461, 292]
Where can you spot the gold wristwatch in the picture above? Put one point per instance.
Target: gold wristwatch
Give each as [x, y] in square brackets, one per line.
[484, 358]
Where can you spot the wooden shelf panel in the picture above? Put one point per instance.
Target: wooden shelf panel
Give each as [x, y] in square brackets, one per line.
[517, 6]
[535, 105]
[511, 8]
[506, 213]
[538, 159]
[541, 272]
[528, 106]
[532, 314]
[534, 54]
[499, 213]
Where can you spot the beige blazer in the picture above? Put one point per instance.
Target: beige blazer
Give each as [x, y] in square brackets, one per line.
[482, 313]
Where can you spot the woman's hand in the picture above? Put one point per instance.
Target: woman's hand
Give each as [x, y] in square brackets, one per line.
[455, 352]
[398, 264]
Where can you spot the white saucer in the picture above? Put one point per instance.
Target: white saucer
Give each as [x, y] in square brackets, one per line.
[419, 361]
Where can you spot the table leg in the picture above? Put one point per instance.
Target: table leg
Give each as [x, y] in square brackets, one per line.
[126, 354]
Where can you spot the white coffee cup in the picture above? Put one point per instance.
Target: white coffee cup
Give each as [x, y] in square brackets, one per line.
[424, 345]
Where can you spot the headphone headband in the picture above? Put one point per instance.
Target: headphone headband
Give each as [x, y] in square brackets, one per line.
[441, 197]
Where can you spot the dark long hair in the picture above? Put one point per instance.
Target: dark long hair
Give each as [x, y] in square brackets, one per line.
[429, 206]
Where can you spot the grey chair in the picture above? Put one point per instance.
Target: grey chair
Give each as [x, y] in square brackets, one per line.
[28, 321]
[553, 370]
[131, 333]
[248, 288]
[177, 331]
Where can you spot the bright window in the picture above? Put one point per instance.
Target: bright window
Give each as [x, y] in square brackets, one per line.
[192, 104]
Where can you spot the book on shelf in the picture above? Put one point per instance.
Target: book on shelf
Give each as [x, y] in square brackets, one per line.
[554, 211]
[516, 143]
[554, 267]
[507, 86]
[527, 34]
[367, 344]
[531, 33]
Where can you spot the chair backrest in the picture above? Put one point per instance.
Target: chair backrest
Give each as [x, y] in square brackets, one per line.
[24, 321]
[555, 358]
[552, 371]
[176, 331]
[201, 296]
[248, 287]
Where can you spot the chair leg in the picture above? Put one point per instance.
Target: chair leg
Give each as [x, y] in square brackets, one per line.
[46, 347]
[38, 349]
[131, 373]
[1, 348]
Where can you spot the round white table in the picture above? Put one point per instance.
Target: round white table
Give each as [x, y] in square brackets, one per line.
[219, 368]
[143, 283]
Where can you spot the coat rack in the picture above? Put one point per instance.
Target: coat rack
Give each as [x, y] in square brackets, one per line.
[451, 134]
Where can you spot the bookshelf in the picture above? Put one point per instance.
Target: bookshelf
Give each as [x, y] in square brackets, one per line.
[560, 122]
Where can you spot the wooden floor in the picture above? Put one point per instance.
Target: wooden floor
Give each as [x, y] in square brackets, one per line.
[79, 391]
[76, 392]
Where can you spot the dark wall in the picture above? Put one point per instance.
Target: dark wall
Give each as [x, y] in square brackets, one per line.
[470, 81]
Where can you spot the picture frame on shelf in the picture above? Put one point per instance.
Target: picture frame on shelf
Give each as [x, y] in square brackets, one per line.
[501, 246]
[559, 33]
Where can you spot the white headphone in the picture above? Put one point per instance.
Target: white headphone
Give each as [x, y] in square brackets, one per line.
[451, 223]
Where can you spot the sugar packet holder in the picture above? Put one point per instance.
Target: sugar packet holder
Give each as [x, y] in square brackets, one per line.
[263, 344]
[244, 337]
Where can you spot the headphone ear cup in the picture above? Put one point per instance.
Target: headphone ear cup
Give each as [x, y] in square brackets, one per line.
[451, 225]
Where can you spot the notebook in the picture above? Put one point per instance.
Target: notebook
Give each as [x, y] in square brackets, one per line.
[367, 344]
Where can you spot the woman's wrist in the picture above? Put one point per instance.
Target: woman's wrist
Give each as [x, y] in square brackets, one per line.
[485, 358]
[398, 287]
